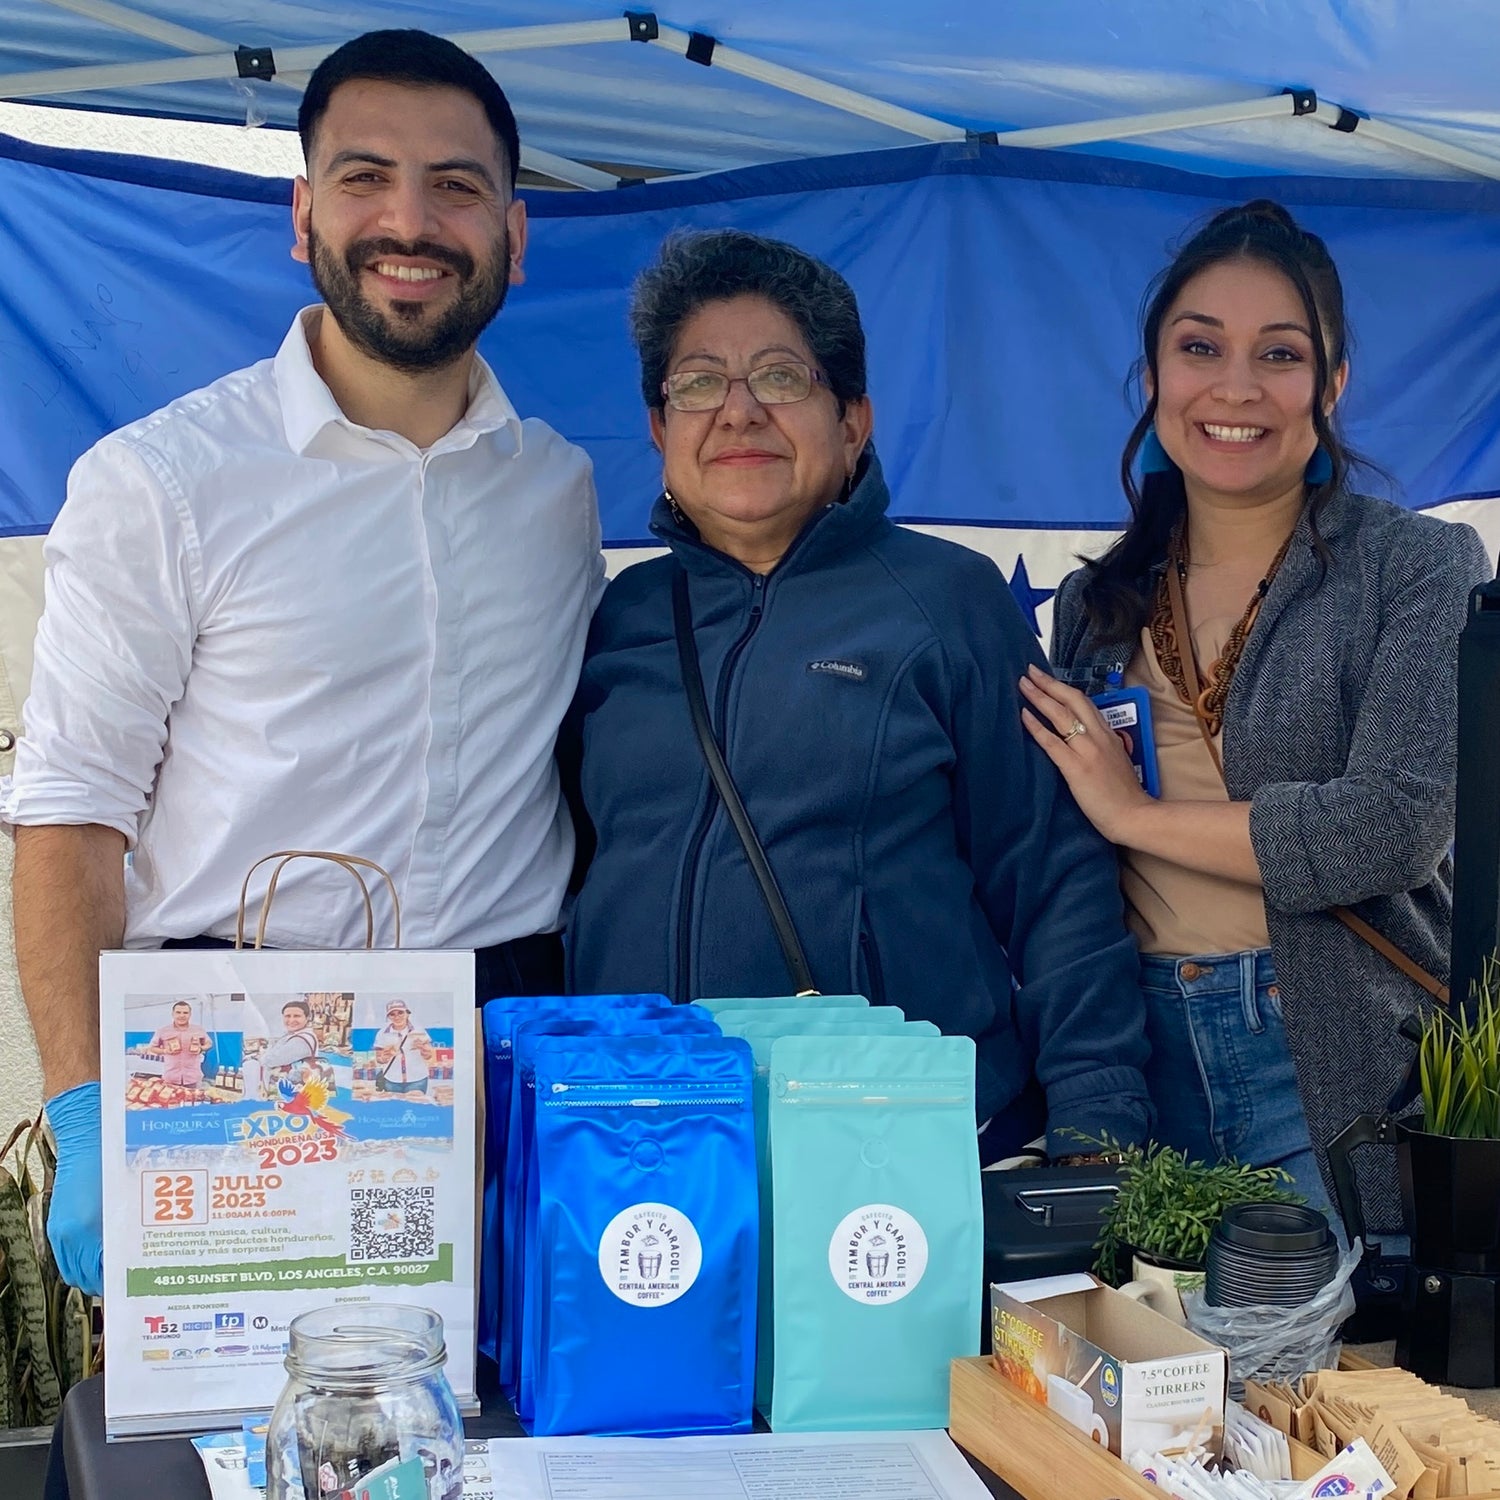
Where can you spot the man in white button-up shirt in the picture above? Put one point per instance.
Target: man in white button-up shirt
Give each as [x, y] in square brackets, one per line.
[336, 600]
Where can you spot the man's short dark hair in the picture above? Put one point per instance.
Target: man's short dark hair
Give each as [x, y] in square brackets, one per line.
[416, 58]
[301, 1005]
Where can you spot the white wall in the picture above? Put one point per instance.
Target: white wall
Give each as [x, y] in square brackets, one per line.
[20, 1071]
[20, 604]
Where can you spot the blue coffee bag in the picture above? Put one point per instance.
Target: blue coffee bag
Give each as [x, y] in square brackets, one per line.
[643, 1317]
[500, 1020]
[519, 1188]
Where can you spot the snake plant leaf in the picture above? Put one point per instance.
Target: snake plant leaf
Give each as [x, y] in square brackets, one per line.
[77, 1337]
[14, 1136]
[28, 1411]
[10, 1315]
[35, 1152]
[48, 1334]
[12, 1342]
[48, 1153]
[26, 1277]
[9, 1318]
[37, 1205]
[57, 1332]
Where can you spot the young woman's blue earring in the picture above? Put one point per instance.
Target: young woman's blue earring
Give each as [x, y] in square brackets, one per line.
[1153, 457]
[1319, 467]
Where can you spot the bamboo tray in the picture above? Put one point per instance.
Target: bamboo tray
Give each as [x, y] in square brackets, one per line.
[1030, 1447]
[1045, 1458]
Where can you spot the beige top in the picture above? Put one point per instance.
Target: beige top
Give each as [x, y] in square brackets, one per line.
[1172, 909]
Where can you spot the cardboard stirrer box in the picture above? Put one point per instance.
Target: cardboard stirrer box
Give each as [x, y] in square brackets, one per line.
[1130, 1379]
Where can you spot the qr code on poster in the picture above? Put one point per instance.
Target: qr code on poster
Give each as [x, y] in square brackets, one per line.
[392, 1223]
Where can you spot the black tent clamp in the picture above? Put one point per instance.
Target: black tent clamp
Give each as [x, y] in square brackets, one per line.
[1304, 102]
[644, 28]
[255, 62]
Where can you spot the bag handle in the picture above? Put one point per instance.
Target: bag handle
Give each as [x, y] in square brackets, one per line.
[350, 862]
[760, 866]
[1356, 924]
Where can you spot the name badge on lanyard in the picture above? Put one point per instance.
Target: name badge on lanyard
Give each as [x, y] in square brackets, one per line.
[1127, 710]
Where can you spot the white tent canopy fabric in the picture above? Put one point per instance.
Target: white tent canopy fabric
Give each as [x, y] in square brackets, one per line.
[1376, 88]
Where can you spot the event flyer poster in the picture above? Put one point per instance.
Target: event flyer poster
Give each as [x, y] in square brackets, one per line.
[282, 1131]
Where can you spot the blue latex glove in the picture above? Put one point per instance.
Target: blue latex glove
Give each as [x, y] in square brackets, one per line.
[75, 1221]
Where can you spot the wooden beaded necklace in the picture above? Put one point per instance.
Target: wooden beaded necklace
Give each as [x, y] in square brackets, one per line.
[1216, 681]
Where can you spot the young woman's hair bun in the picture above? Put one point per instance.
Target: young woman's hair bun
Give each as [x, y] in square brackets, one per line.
[1257, 208]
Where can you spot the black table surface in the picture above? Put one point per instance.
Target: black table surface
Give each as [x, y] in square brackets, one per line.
[170, 1469]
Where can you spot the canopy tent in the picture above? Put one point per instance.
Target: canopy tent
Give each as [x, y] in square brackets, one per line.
[1380, 89]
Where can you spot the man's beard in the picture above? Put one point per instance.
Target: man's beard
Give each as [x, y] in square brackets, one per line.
[411, 338]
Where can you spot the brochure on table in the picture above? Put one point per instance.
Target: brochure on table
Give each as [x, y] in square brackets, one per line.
[754, 1466]
[922, 1465]
[282, 1131]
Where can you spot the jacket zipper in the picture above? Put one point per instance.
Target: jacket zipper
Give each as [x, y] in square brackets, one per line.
[683, 986]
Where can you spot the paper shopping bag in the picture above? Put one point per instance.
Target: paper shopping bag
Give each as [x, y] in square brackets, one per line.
[282, 1130]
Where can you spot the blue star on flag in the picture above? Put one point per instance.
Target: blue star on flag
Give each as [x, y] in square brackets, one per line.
[1026, 596]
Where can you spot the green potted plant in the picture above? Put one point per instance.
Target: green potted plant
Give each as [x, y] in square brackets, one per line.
[1450, 1153]
[49, 1331]
[1168, 1207]
[1450, 1157]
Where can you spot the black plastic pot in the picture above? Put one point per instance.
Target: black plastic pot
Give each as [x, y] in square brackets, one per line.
[1450, 1191]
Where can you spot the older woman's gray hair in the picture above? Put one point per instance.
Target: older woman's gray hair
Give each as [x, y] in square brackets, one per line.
[696, 268]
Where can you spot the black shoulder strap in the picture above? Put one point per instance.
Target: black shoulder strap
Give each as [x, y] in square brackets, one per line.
[692, 682]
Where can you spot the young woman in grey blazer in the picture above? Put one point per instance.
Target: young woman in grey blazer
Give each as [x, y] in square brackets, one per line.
[1298, 643]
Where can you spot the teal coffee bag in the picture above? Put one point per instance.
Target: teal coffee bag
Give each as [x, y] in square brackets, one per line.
[805, 1002]
[761, 1036]
[878, 1238]
[873, 1018]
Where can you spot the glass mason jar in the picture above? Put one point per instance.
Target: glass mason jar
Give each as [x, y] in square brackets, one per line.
[365, 1390]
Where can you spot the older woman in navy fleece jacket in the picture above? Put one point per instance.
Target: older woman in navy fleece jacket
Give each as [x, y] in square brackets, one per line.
[861, 680]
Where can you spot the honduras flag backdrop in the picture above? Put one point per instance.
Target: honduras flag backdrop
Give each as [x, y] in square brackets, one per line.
[1000, 291]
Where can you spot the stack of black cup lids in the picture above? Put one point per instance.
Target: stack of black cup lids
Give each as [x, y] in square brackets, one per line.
[1270, 1254]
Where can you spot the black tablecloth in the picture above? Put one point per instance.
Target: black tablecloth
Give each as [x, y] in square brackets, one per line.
[85, 1467]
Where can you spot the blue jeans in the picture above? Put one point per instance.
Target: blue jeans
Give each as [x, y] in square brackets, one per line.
[1220, 1074]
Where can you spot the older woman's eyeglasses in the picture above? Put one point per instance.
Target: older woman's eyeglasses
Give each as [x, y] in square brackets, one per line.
[780, 384]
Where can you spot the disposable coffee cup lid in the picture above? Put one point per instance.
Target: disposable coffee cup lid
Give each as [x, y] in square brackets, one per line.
[1275, 1228]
